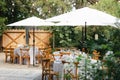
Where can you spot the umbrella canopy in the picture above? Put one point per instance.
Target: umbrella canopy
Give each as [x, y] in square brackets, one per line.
[80, 16]
[118, 23]
[31, 21]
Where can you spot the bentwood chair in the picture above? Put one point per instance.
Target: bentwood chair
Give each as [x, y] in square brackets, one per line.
[9, 52]
[39, 55]
[72, 76]
[38, 58]
[16, 58]
[64, 53]
[12, 55]
[47, 71]
[24, 56]
[96, 55]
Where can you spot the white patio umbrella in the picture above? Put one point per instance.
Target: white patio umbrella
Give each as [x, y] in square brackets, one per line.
[32, 22]
[80, 16]
[84, 17]
[118, 23]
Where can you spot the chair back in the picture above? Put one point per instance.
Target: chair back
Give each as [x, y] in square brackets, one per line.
[24, 51]
[47, 69]
[45, 64]
[9, 52]
[72, 73]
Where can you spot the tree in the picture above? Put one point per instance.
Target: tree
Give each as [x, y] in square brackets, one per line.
[14, 10]
[109, 36]
[110, 6]
[116, 40]
[3, 17]
[49, 8]
[17, 9]
[83, 3]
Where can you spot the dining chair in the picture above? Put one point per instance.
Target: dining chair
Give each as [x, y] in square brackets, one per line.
[57, 56]
[38, 58]
[8, 54]
[96, 55]
[47, 71]
[47, 52]
[64, 53]
[69, 73]
[24, 55]
[39, 55]
[12, 55]
[16, 58]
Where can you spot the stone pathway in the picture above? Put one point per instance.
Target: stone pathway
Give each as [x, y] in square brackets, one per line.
[9, 71]
[19, 74]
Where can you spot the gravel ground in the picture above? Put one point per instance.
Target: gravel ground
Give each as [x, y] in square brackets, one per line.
[10, 71]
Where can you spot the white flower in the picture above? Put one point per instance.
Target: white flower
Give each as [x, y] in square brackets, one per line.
[68, 66]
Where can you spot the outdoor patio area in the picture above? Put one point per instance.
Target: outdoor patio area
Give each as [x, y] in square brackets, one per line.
[10, 71]
[60, 40]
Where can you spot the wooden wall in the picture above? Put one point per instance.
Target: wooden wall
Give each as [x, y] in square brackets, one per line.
[11, 38]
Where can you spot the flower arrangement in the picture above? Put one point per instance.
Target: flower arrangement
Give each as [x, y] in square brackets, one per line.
[87, 67]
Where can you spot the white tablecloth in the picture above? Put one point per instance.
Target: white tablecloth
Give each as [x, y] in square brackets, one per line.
[31, 54]
[58, 67]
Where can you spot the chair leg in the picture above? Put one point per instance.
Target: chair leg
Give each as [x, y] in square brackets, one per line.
[20, 60]
[46, 77]
[28, 60]
[42, 76]
[64, 75]
[38, 60]
[5, 58]
[57, 77]
[11, 59]
[49, 77]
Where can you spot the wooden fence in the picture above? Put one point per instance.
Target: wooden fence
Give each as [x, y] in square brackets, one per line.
[11, 38]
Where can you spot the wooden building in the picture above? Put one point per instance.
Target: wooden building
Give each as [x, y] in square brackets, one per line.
[11, 38]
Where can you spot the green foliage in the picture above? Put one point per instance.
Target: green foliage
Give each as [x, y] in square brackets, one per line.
[67, 76]
[49, 8]
[82, 3]
[66, 36]
[110, 6]
[115, 39]
[104, 42]
[112, 63]
[3, 17]
[117, 54]
[79, 58]
[112, 35]
[2, 25]
[18, 9]
[14, 10]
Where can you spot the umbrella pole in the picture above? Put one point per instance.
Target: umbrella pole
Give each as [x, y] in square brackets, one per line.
[33, 44]
[82, 36]
[53, 41]
[85, 37]
[85, 31]
[27, 36]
